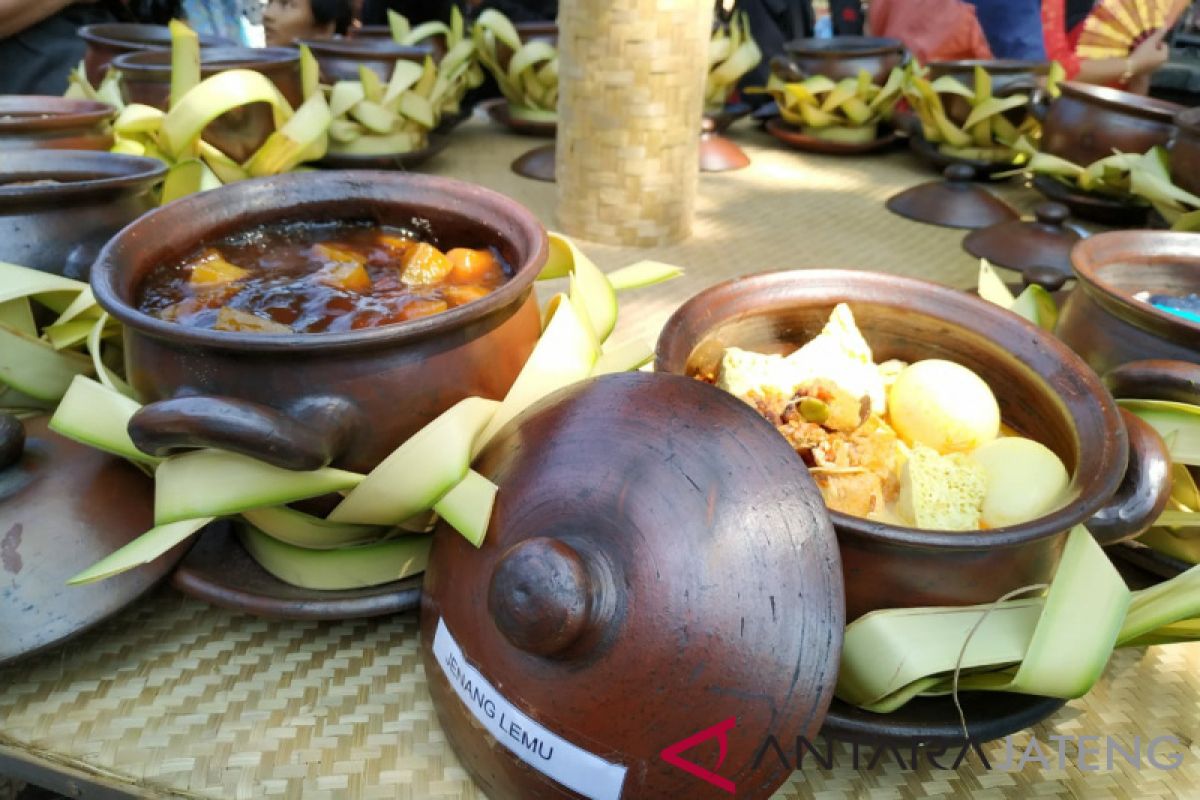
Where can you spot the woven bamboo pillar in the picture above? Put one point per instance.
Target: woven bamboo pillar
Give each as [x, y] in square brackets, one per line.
[631, 93]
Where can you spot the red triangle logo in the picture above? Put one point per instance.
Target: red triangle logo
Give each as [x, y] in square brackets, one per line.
[721, 732]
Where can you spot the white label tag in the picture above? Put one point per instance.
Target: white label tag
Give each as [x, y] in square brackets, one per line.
[547, 752]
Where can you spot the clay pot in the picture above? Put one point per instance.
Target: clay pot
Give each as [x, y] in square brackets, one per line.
[35, 122]
[1103, 322]
[1185, 152]
[303, 400]
[239, 133]
[657, 562]
[1044, 390]
[59, 226]
[840, 57]
[340, 58]
[108, 40]
[1087, 123]
[1009, 76]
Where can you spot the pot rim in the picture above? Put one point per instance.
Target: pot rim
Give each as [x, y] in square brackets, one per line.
[120, 171]
[1189, 120]
[1125, 102]
[322, 188]
[536, 29]
[1091, 254]
[366, 48]
[1091, 490]
[844, 46]
[61, 112]
[139, 36]
[1003, 65]
[156, 64]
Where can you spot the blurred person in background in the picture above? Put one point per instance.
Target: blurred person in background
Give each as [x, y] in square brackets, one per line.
[1013, 28]
[773, 24]
[1062, 22]
[956, 35]
[374, 12]
[286, 21]
[516, 10]
[229, 19]
[39, 39]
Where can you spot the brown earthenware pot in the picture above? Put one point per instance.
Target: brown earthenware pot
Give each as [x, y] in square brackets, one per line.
[1087, 123]
[840, 57]
[1044, 391]
[146, 75]
[1009, 76]
[35, 122]
[385, 32]
[1103, 322]
[1185, 152]
[303, 400]
[59, 207]
[108, 40]
[240, 132]
[340, 58]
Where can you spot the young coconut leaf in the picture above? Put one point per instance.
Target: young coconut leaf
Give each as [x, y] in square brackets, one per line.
[214, 483]
[1060, 643]
[107, 377]
[626, 357]
[185, 60]
[304, 530]
[419, 472]
[468, 506]
[343, 568]
[591, 287]
[217, 95]
[1178, 423]
[95, 415]
[641, 274]
[142, 550]
[564, 354]
[34, 368]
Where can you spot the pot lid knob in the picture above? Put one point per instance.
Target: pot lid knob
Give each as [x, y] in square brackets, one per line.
[1051, 213]
[1049, 278]
[12, 440]
[541, 595]
[959, 173]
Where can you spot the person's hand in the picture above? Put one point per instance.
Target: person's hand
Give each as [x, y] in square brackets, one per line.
[1150, 54]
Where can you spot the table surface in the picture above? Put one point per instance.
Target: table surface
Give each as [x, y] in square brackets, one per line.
[179, 699]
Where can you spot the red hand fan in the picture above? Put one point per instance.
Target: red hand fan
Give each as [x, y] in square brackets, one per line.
[1116, 27]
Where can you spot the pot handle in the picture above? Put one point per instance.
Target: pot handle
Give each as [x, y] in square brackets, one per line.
[1143, 493]
[786, 68]
[308, 436]
[1156, 379]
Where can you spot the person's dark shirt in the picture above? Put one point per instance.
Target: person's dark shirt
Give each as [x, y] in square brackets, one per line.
[774, 23]
[1013, 27]
[38, 59]
[374, 12]
[1077, 11]
[522, 10]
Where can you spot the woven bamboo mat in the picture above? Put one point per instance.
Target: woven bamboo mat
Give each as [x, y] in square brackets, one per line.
[176, 698]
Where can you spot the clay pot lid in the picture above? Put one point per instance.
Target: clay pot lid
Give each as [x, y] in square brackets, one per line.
[1038, 245]
[659, 566]
[956, 202]
[63, 507]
